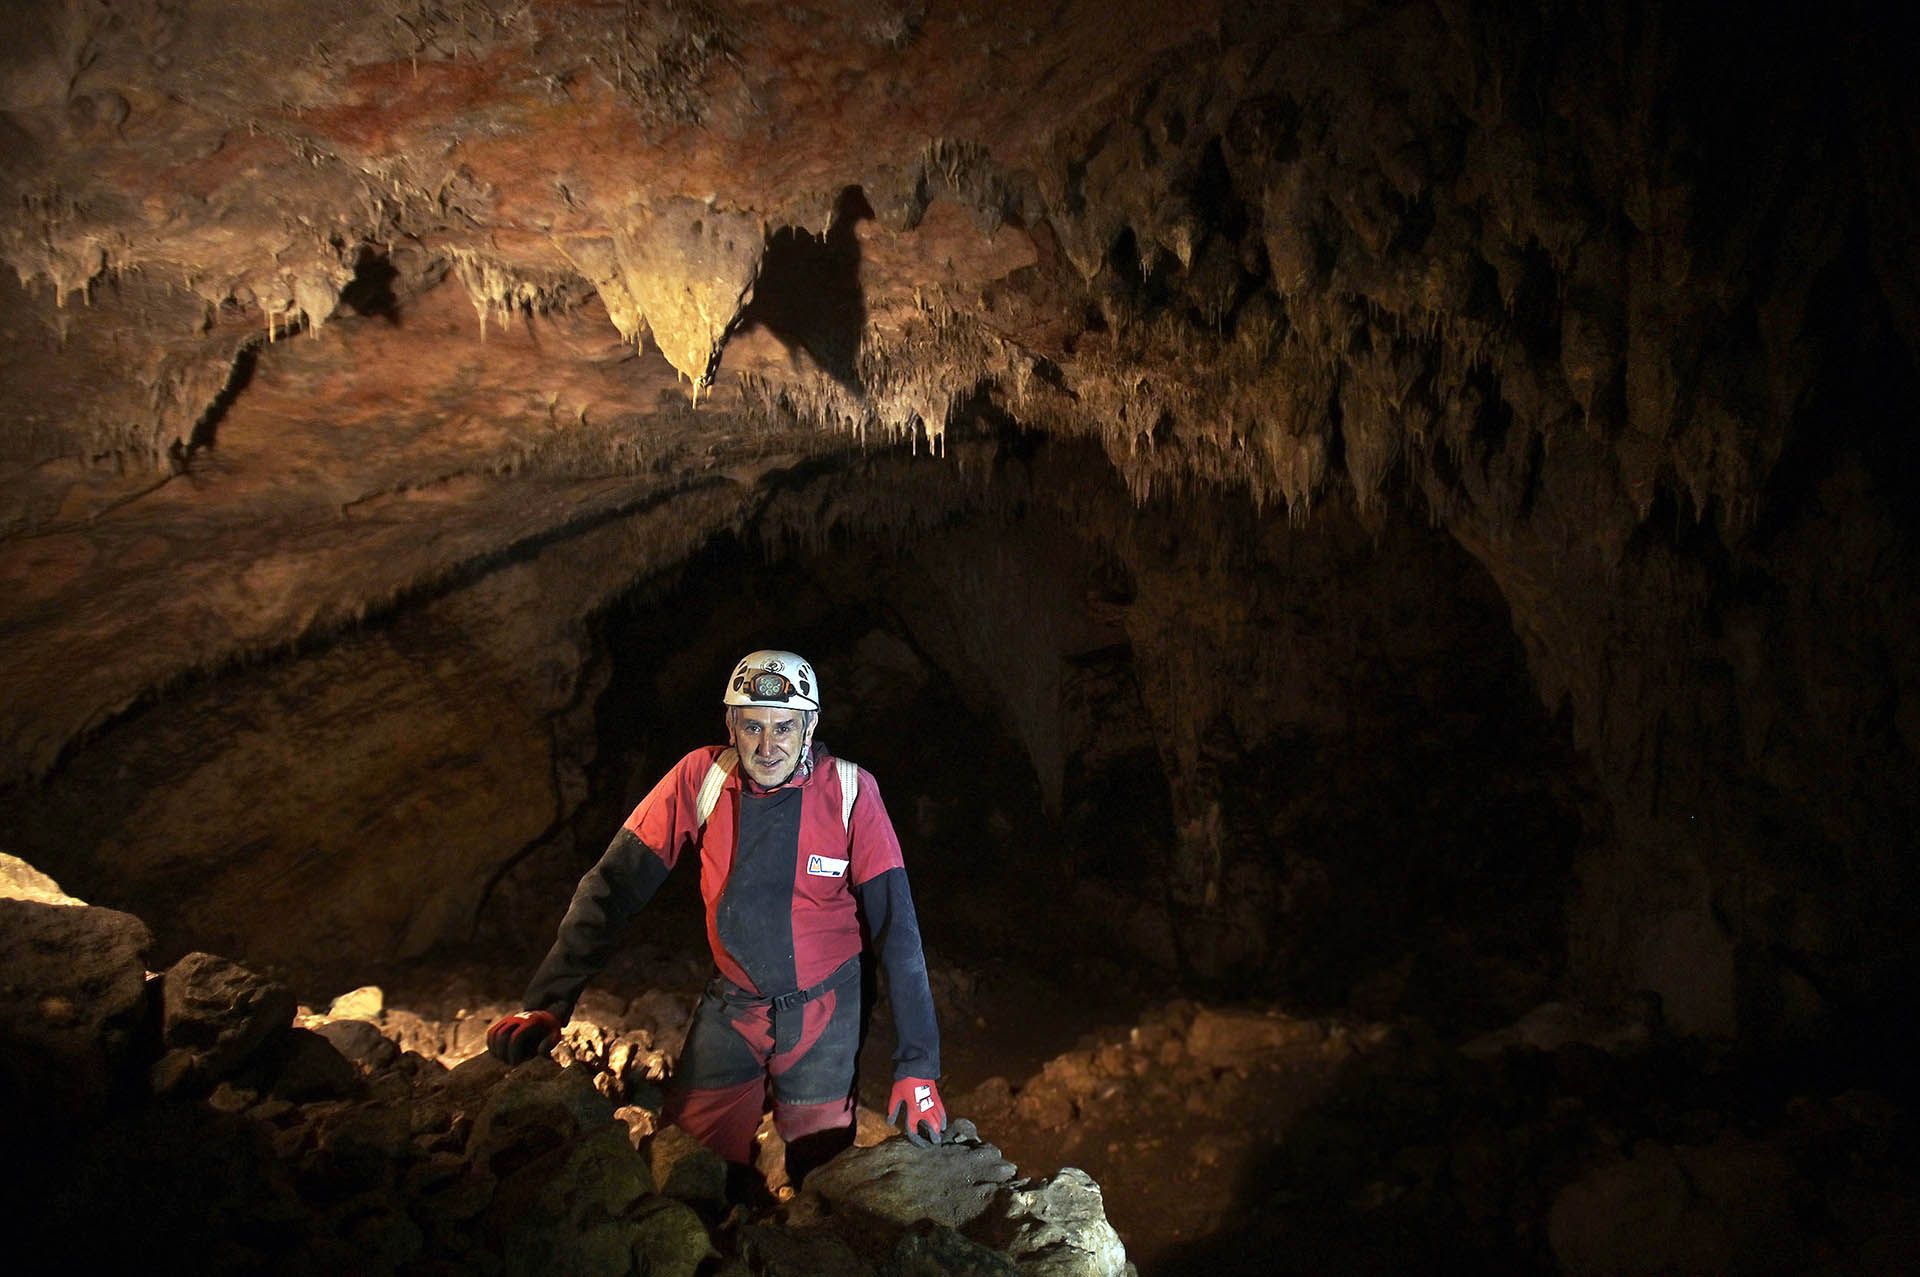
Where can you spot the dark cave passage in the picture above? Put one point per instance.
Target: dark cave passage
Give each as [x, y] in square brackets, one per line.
[1396, 814]
[1392, 815]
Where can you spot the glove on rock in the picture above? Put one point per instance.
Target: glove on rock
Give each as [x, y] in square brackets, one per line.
[519, 1037]
[919, 1100]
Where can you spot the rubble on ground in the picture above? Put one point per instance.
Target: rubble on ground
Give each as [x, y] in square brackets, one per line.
[375, 1138]
[225, 1130]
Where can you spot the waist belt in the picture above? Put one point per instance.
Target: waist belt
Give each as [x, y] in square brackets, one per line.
[787, 1012]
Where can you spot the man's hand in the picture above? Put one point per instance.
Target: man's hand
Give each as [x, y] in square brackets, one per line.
[519, 1037]
[919, 1100]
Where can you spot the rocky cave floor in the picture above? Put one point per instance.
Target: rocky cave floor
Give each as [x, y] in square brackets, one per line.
[1224, 1136]
[1234, 1137]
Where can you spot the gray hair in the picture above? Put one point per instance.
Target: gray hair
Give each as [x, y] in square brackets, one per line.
[806, 715]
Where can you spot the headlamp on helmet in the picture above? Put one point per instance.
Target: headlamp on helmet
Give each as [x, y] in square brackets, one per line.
[774, 678]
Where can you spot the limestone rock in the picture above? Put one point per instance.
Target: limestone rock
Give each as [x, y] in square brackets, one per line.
[670, 1239]
[73, 1006]
[688, 1170]
[21, 881]
[958, 1208]
[1058, 1228]
[934, 1250]
[535, 1107]
[215, 1014]
[365, 1046]
[415, 1033]
[302, 1066]
[364, 1003]
[363, 1146]
[641, 1123]
[780, 1252]
[895, 1185]
[566, 1210]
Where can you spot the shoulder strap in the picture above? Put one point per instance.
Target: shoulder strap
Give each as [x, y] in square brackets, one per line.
[849, 790]
[729, 758]
[723, 765]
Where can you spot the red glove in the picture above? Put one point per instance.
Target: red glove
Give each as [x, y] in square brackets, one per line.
[524, 1034]
[919, 1099]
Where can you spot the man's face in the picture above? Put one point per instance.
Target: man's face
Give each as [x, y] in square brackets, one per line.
[770, 741]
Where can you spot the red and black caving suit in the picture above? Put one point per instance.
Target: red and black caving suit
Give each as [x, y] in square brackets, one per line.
[787, 887]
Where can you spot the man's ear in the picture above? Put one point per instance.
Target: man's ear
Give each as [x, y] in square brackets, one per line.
[726, 716]
[813, 721]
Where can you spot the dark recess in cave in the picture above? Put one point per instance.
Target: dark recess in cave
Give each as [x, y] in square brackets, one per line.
[1408, 855]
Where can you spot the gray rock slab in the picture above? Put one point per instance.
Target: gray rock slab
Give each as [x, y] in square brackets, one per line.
[897, 1185]
[1056, 1227]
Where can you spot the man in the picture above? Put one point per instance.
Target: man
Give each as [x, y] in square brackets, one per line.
[796, 855]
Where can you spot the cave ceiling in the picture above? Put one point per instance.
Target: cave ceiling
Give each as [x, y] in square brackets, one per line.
[324, 312]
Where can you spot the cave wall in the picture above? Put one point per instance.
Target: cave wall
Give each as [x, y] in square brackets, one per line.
[1622, 297]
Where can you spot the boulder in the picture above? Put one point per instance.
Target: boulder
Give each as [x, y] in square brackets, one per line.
[1056, 1227]
[688, 1170]
[669, 1238]
[640, 1122]
[364, 1003]
[21, 881]
[73, 1009]
[416, 1033]
[893, 1185]
[364, 1046]
[534, 1108]
[214, 1015]
[567, 1210]
[957, 1208]
[363, 1147]
[778, 1252]
[934, 1250]
[301, 1066]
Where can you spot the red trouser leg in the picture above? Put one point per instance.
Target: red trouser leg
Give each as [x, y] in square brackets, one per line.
[723, 1118]
[814, 1133]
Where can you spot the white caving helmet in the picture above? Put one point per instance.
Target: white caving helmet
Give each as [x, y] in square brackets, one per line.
[770, 677]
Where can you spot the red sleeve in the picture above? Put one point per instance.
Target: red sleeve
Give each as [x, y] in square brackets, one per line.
[667, 821]
[876, 848]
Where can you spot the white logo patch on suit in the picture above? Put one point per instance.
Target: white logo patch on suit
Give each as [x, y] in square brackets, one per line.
[826, 867]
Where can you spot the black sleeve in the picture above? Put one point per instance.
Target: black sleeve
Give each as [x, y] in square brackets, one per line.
[888, 906]
[605, 901]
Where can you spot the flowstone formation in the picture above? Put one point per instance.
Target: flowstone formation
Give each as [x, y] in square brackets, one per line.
[361, 358]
